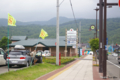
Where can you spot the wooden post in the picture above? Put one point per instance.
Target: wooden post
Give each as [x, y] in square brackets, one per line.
[77, 43]
[66, 43]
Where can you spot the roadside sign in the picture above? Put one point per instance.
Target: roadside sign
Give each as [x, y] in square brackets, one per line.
[92, 27]
[71, 36]
[71, 42]
[55, 43]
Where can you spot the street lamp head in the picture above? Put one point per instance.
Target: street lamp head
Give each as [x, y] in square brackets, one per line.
[96, 9]
[110, 6]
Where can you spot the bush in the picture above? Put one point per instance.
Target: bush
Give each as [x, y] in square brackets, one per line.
[53, 60]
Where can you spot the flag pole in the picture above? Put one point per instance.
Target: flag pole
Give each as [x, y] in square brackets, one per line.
[35, 50]
[8, 47]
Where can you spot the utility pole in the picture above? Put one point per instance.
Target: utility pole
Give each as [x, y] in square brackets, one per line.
[104, 56]
[100, 34]
[79, 38]
[77, 43]
[66, 43]
[105, 51]
[57, 35]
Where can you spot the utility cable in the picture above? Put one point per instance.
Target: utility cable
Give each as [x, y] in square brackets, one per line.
[73, 13]
[61, 2]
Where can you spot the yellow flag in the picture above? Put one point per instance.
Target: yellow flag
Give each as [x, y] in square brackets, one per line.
[11, 20]
[43, 34]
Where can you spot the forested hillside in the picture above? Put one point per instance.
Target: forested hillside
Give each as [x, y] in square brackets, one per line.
[33, 31]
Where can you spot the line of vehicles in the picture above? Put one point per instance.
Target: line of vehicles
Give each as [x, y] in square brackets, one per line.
[21, 57]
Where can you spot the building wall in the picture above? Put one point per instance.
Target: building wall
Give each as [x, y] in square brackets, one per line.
[61, 50]
[71, 51]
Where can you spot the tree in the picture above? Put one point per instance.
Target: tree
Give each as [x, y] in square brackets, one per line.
[3, 42]
[94, 43]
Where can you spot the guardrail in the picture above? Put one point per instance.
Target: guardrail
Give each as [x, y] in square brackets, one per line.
[113, 71]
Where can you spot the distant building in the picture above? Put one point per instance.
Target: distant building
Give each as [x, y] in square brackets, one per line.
[46, 44]
[18, 38]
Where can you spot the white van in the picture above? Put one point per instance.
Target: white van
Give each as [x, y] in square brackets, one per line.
[2, 60]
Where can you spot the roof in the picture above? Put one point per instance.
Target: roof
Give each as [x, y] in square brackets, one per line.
[45, 42]
[18, 38]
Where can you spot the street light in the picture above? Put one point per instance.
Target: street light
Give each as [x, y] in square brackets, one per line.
[96, 20]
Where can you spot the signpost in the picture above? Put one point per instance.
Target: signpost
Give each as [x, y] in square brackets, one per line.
[71, 37]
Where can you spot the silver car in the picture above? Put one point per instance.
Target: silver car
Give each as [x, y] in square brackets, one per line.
[19, 57]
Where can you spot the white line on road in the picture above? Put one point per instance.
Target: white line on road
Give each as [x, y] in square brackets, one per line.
[113, 64]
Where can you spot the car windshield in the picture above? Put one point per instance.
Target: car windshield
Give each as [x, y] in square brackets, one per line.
[16, 53]
[38, 53]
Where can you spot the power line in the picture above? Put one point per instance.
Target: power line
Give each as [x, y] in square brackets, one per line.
[61, 2]
[73, 13]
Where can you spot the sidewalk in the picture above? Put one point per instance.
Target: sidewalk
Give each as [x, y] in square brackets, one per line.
[81, 69]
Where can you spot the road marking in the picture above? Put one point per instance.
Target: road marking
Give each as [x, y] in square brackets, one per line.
[113, 64]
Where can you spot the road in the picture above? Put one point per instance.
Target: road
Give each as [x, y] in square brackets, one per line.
[113, 68]
[4, 69]
[113, 59]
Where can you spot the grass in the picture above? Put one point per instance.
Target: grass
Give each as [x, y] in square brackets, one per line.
[109, 52]
[30, 73]
[63, 60]
[95, 65]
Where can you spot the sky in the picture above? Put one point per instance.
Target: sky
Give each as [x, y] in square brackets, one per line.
[43, 10]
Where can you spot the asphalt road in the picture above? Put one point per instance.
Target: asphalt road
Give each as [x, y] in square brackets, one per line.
[113, 59]
[4, 69]
[113, 68]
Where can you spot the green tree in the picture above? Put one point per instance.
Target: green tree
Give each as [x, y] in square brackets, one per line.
[94, 44]
[3, 42]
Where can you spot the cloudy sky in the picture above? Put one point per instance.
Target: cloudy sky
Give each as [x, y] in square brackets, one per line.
[42, 10]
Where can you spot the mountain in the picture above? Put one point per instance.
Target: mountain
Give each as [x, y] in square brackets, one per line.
[33, 31]
[3, 22]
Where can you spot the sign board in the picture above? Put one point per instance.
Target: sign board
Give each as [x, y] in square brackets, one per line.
[71, 42]
[71, 36]
[101, 45]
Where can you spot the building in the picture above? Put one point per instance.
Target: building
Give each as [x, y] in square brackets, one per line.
[18, 38]
[45, 44]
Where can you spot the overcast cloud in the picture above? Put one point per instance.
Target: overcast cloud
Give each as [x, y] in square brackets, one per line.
[42, 10]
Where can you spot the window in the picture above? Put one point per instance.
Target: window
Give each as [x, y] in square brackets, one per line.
[2, 52]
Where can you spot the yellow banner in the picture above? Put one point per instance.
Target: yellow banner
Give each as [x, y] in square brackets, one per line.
[43, 34]
[11, 20]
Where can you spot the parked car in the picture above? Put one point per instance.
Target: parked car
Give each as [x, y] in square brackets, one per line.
[114, 54]
[2, 57]
[39, 56]
[91, 52]
[19, 57]
[46, 53]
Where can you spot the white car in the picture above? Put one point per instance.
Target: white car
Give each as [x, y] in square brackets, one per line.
[46, 53]
[2, 60]
[114, 54]
[91, 52]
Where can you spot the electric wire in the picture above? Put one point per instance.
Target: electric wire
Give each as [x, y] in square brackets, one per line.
[61, 2]
[73, 13]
